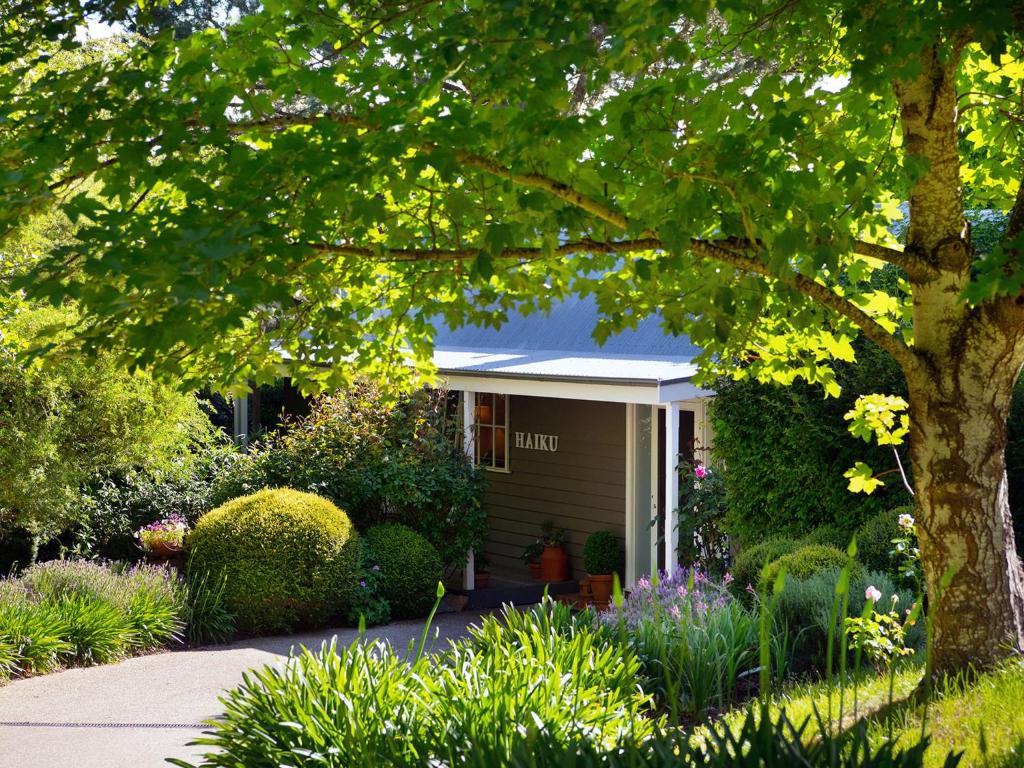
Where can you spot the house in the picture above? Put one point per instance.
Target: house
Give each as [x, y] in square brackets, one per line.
[587, 436]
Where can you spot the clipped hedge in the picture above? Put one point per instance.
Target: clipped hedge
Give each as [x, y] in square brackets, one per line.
[804, 562]
[783, 451]
[410, 567]
[752, 560]
[289, 558]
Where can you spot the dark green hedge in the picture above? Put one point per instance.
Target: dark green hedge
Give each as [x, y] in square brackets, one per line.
[783, 452]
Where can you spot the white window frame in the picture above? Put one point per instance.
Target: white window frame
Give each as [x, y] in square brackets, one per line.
[493, 426]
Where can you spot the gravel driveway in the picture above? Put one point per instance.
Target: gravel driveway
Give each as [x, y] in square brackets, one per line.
[136, 713]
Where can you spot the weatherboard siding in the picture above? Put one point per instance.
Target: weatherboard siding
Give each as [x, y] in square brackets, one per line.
[581, 486]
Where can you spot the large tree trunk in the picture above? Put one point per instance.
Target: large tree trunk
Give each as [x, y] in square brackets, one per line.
[965, 362]
[958, 439]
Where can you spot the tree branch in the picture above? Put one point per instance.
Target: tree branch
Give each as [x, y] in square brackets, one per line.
[558, 189]
[538, 181]
[916, 269]
[824, 295]
[464, 254]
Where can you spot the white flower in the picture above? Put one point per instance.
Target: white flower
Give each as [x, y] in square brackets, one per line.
[906, 521]
[872, 594]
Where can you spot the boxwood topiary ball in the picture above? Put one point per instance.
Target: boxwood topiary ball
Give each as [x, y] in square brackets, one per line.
[411, 568]
[291, 558]
[750, 562]
[602, 554]
[806, 561]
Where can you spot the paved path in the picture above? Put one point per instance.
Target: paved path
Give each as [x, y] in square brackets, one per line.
[136, 713]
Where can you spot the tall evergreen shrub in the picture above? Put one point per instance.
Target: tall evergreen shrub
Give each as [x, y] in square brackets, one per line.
[783, 451]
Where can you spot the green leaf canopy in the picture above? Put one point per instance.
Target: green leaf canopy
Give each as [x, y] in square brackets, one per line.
[329, 180]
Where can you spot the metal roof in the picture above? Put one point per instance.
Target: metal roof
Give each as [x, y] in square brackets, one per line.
[559, 345]
[560, 365]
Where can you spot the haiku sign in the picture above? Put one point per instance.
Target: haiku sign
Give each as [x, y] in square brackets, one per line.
[536, 442]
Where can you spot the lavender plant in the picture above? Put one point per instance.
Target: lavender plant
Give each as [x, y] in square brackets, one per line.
[694, 640]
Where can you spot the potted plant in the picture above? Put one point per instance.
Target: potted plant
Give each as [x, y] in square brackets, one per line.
[163, 539]
[531, 558]
[481, 570]
[554, 563]
[602, 557]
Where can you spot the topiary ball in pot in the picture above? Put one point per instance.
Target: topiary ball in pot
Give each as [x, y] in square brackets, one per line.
[289, 558]
[410, 567]
[602, 557]
[602, 554]
[807, 561]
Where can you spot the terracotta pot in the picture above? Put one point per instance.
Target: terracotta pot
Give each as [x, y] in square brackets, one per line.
[554, 564]
[585, 591]
[163, 549]
[601, 586]
[534, 570]
[481, 579]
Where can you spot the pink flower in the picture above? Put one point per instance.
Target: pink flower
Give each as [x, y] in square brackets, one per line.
[700, 471]
[872, 594]
[727, 579]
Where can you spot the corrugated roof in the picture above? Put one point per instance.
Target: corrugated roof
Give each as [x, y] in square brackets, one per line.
[560, 344]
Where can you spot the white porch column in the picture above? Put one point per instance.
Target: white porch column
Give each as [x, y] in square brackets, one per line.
[630, 506]
[468, 445]
[671, 486]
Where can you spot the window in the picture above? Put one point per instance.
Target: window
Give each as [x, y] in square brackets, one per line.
[490, 416]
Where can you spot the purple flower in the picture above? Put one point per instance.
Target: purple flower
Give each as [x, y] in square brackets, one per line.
[376, 568]
[362, 584]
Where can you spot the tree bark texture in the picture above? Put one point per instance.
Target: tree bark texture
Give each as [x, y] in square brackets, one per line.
[965, 363]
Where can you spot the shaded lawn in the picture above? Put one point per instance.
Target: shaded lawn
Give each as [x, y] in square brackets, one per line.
[957, 716]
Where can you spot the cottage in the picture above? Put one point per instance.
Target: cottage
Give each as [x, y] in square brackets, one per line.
[585, 435]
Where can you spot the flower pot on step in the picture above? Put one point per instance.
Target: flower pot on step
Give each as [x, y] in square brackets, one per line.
[481, 579]
[601, 587]
[586, 595]
[554, 564]
[534, 570]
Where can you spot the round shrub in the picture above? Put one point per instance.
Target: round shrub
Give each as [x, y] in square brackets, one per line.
[410, 567]
[805, 609]
[830, 535]
[602, 554]
[288, 558]
[874, 539]
[747, 569]
[806, 561]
